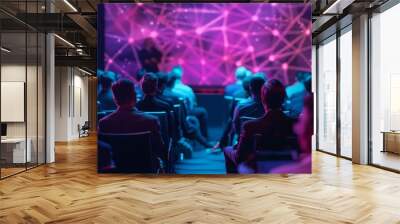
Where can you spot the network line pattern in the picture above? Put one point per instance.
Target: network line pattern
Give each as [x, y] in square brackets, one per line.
[210, 40]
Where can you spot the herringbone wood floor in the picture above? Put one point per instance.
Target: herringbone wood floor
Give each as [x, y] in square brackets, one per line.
[70, 191]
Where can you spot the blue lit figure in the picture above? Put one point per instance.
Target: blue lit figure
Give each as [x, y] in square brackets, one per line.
[295, 94]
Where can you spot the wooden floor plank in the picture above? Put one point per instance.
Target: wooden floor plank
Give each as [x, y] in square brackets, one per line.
[71, 191]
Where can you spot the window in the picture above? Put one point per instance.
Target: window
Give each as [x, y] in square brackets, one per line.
[327, 96]
[346, 93]
[385, 89]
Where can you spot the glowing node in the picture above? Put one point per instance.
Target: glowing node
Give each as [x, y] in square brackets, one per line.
[153, 34]
[225, 58]
[199, 30]
[285, 66]
[307, 32]
[256, 69]
[254, 18]
[226, 13]
[271, 58]
[203, 62]
[250, 49]
[238, 63]
[178, 32]
[110, 61]
[275, 32]
[181, 61]
[245, 34]
[142, 30]
[131, 40]
[139, 4]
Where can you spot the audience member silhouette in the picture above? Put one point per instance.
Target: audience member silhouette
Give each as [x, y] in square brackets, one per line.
[187, 93]
[150, 102]
[150, 56]
[252, 108]
[127, 119]
[105, 96]
[236, 89]
[304, 130]
[296, 93]
[272, 126]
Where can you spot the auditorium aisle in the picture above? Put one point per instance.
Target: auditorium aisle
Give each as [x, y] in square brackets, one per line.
[203, 162]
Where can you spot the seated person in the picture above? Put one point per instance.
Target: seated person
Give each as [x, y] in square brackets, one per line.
[127, 119]
[227, 135]
[105, 96]
[187, 93]
[273, 125]
[236, 89]
[296, 93]
[171, 100]
[251, 108]
[163, 92]
[304, 131]
[150, 102]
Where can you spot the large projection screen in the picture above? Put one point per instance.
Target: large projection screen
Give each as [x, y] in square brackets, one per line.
[12, 101]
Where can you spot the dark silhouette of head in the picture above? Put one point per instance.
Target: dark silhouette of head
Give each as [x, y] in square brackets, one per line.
[273, 94]
[149, 43]
[150, 84]
[105, 83]
[124, 93]
[256, 83]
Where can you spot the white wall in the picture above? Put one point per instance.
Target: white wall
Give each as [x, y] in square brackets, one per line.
[71, 102]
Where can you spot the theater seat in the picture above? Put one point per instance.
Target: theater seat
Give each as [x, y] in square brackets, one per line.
[271, 154]
[131, 153]
[164, 126]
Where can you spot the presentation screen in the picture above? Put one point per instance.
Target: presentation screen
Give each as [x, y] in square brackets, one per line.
[204, 88]
[209, 40]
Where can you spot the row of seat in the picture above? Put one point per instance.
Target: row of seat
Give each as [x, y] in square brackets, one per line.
[125, 148]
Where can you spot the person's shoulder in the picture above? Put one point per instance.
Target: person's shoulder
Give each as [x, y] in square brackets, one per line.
[252, 124]
[245, 104]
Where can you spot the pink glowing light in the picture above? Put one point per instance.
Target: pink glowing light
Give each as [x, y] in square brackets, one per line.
[285, 66]
[250, 49]
[153, 34]
[199, 30]
[271, 57]
[131, 40]
[275, 32]
[254, 18]
[178, 32]
[307, 32]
